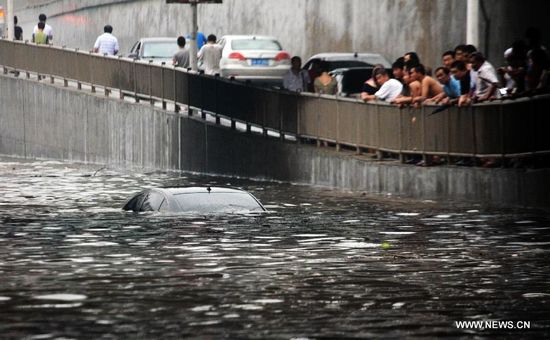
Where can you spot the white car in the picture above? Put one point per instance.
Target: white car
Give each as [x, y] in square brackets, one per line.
[156, 49]
[249, 57]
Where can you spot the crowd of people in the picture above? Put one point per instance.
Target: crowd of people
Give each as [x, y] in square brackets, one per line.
[464, 77]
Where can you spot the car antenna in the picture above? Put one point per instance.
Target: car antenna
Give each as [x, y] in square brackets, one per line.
[355, 54]
[208, 189]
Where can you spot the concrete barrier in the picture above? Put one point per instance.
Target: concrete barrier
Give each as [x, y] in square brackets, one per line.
[39, 120]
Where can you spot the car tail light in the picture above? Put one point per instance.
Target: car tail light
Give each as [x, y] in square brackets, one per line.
[282, 56]
[237, 55]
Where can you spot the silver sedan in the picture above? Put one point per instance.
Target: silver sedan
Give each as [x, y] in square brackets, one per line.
[253, 58]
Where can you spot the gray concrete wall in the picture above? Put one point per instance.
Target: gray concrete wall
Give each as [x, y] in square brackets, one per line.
[305, 27]
[39, 120]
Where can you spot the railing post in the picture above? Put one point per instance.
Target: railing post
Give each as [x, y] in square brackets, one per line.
[151, 101]
[401, 156]
[337, 124]
[264, 130]
[501, 125]
[534, 116]
[357, 130]
[162, 84]
[318, 119]
[120, 94]
[281, 119]
[52, 79]
[106, 90]
[423, 129]
[176, 107]
[474, 135]
[449, 124]
[378, 142]
[92, 73]
[135, 81]
[298, 117]
[65, 81]
[201, 101]
[189, 110]
[217, 99]
[250, 114]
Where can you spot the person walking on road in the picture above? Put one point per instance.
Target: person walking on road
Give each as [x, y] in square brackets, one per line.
[296, 79]
[40, 37]
[106, 43]
[181, 58]
[17, 30]
[210, 56]
[47, 28]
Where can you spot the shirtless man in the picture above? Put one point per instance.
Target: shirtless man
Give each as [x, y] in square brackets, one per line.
[411, 89]
[430, 86]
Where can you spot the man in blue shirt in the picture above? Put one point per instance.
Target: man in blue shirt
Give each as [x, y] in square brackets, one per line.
[451, 86]
[201, 40]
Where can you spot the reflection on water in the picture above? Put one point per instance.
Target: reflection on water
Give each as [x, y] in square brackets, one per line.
[321, 264]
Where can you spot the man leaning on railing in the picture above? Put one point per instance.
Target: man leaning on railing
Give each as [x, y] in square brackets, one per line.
[389, 88]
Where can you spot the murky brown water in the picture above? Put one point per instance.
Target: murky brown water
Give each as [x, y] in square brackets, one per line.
[322, 264]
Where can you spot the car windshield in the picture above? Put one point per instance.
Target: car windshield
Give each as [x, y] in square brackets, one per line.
[255, 44]
[224, 202]
[160, 49]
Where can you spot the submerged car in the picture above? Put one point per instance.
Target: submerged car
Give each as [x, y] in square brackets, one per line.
[249, 57]
[201, 200]
[347, 60]
[156, 49]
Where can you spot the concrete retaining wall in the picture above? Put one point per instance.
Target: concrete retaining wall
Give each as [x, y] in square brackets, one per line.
[39, 120]
[305, 27]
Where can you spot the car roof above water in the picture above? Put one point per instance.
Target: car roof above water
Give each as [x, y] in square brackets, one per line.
[198, 190]
[194, 200]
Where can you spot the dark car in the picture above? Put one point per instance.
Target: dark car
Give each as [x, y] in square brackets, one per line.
[201, 200]
[346, 60]
[351, 80]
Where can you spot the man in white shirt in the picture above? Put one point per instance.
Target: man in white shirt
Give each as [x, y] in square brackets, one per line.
[210, 56]
[389, 88]
[296, 79]
[487, 80]
[47, 28]
[106, 43]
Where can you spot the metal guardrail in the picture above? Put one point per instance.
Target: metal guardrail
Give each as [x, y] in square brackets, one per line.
[510, 128]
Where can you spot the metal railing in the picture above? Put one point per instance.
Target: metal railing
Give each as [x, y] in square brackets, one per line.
[509, 128]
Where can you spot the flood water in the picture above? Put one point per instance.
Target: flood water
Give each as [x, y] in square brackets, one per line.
[322, 264]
